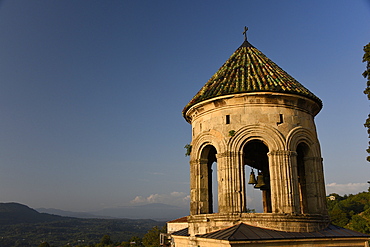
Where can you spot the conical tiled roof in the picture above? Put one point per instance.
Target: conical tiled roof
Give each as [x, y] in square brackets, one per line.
[249, 70]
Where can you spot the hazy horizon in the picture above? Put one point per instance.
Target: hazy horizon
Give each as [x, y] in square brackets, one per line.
[92, 92]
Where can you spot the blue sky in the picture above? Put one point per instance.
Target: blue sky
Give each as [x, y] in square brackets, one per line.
[91, 92]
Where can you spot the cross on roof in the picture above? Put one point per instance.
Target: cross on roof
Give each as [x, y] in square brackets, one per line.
[245, 32]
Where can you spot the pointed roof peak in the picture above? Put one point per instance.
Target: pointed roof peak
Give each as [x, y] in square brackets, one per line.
[248, 70]
[245, 33]
[246, 43]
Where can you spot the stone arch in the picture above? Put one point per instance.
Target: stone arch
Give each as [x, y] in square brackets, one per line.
[302, 151]
[208, 179]
[203, 156]
[302, 135]
[255, 161]
[269, 137]
[308, 167]
[205, 139]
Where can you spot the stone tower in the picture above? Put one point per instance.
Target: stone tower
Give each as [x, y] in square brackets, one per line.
[252, 116]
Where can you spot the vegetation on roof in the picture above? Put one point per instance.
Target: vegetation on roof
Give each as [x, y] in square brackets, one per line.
[249, 70]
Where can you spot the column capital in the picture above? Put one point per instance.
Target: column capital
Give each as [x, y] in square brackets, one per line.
[317, 159]
[282, 153]
[227, 154]
[198, 161]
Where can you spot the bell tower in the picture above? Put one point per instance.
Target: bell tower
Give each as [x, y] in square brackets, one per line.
[253, 125]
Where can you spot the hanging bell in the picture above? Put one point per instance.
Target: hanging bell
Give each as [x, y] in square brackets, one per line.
[260, 181]
[252, 178]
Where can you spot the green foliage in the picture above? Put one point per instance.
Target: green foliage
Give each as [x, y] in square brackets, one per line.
[23, 226]
[75, 232]
[231, 132]
[361, 222]
[134, 241]
[352, 211]
[44, 244]
[105, 242]
[151, 239]
[366, 74]
[251, 210]
[188, 149]
[338, 216]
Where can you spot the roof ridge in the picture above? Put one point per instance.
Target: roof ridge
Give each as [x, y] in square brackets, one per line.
[181, 219]
[235, 230]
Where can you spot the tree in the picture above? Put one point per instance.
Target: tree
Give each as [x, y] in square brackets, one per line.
[135, 241]
[351, 212]
[105, 241]
[338, 216]
[44, 244]
[366, 75]
[360, 223]
[151, 239]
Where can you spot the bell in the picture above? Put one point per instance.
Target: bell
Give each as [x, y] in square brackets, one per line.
[260, 182]
[252, 178]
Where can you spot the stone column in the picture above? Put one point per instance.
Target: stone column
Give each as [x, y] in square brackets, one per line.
[316, 198]
[321, 183]
[229, 183]
[284, 181]
[199, 198]
[194, 187]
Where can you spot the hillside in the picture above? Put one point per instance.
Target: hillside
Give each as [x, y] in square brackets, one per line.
[24, 226]
[350, 211]
[155, 211]
[14, 213]
[64, 213]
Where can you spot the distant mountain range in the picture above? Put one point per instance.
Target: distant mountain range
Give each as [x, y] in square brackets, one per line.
[156, 211]
[18, 213]
[64, 213]
[14, 213]
[21, 225]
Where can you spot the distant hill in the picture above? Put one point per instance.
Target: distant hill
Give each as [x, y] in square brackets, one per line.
[350, 211]
[24, 226]
[156, 211]
[81, 215]
[14, 213]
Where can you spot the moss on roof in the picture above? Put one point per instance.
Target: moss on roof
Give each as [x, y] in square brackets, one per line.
[249, 70]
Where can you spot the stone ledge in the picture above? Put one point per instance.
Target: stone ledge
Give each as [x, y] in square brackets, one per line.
[205, 223]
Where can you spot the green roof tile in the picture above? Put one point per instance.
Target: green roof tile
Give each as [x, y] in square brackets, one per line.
[249, 70]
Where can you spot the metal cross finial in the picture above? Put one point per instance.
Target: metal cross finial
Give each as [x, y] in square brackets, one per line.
[245, 32]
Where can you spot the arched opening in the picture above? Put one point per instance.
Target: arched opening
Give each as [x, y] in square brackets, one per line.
[209, 181]
[256, 160]
[302, 151]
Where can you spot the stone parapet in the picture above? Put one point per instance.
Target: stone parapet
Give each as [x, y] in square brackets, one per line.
[205, 223]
